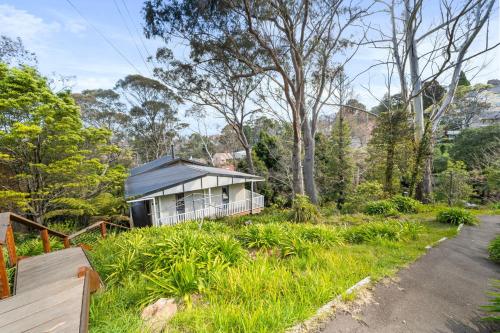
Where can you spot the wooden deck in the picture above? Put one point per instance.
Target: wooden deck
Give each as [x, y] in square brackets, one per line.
[49, 295]
[48, 268]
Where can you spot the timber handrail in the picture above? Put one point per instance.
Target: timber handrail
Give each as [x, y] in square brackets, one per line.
[7, 239]
[8, 217]
[101, 224]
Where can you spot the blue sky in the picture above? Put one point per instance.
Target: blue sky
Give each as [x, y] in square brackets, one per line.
[68, 44]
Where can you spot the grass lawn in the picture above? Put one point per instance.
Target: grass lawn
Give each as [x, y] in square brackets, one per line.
[260, 276]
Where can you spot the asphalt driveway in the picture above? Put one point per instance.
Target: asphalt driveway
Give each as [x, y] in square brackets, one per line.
[441, 292]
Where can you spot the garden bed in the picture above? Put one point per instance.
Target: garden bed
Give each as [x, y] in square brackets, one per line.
[249, 274]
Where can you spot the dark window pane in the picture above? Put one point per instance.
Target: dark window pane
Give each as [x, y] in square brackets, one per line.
[180, 205]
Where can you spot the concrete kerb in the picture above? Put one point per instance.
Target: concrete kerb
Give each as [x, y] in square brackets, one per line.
[326, 311]
[459, 228]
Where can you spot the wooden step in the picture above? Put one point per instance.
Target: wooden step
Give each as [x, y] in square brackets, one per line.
[52, 293]
[57, 307]
[48, 268]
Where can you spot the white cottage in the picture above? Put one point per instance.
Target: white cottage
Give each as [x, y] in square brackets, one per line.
[171, 190]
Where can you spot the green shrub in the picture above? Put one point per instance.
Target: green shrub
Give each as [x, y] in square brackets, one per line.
[387, 230]
[261, 236]
[406, 205]
[494, 307]
[412, 230]
[183, 279]
[363, 193]
[34, 246]
[290, 239]
[303, 210]
[452, 185]
[268, 215]
[324, 236]
[381, 207]
[455, 216]
[227, 248]
[371, 231]
[66, 227]
[495, 205]
[294, 245]
[494, 249]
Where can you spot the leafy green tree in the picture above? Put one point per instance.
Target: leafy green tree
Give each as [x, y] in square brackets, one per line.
[102, 108]
[492, 173]
[462, 80]
[52, 166]
[432, 94]
[266, 150]
[391, 146]
[153, 116]
[441, 157]
[197, 146]
[296, 44]
[362, 194]
[334, 163]
[272, 160]
[341, 161]
[469, 103]
[452, 185]
[473, 145]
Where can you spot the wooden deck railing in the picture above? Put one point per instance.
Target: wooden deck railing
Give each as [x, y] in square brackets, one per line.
[45, 278]
[7, 240]
[101, 224]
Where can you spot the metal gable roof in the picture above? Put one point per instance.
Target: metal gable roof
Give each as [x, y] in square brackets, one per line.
[151, 165]
[167, 174]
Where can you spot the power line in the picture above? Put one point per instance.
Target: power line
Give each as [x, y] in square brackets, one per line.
[141, 37]
[132, 36]
[104, 37]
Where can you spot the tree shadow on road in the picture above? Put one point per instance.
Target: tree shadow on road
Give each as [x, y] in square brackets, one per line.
[476, 325]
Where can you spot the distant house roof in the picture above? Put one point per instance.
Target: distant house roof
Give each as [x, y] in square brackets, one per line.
[167, 172]
[223, 155]
[239, 155]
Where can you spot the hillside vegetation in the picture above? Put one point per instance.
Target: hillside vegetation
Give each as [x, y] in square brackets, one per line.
[258, 273]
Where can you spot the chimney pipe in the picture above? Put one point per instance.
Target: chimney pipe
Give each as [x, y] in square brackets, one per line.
[172, 151]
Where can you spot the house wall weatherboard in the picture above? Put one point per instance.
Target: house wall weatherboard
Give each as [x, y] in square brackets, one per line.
[192, 199]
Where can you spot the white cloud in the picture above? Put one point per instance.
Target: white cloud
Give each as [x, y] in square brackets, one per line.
[20, 23]
[95, 82]
[75, 26]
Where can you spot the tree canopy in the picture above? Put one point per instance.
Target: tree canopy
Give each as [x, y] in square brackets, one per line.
[52, 164]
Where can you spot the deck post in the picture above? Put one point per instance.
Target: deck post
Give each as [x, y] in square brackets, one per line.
[251, 197]
[11, 246]
[66, 242]
[153, 213]
[44, 235]
[209, 201]
[131, 221]
[4, 280]
[103, 229]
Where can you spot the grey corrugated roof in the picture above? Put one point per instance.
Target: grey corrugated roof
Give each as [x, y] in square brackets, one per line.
[151, 165]
[172, 174]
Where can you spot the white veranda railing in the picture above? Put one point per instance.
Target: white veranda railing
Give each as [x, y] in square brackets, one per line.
[214, 211]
